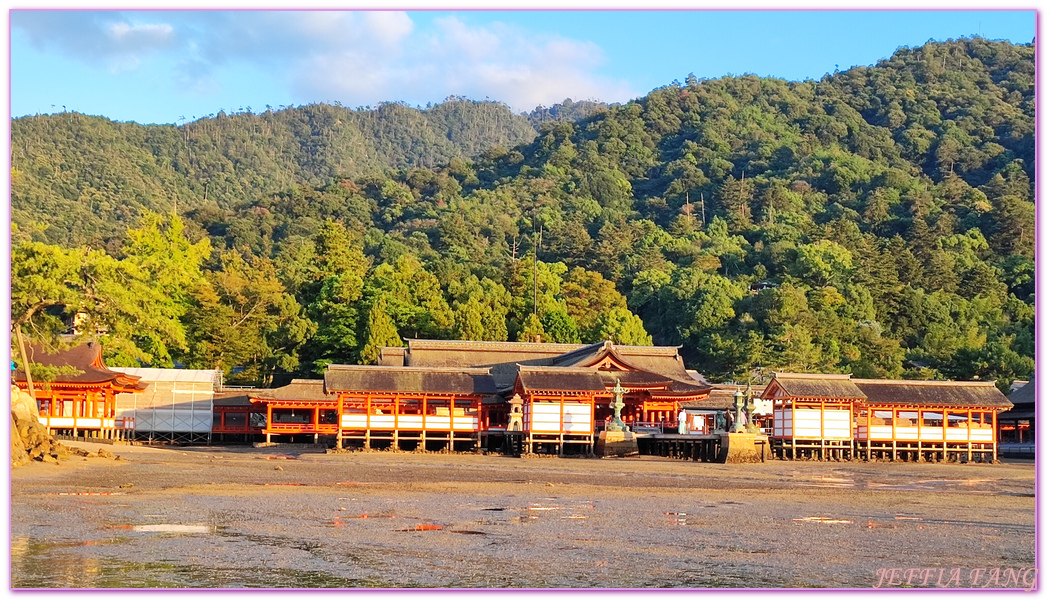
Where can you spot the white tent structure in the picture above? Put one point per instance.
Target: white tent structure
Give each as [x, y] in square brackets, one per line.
[176, 407]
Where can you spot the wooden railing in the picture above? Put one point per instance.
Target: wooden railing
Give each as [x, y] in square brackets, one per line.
[302, 428]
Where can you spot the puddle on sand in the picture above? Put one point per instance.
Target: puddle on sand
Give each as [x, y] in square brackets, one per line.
[170, 528]
[821, 520]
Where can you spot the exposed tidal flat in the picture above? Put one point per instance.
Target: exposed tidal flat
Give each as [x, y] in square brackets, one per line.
[244, 517]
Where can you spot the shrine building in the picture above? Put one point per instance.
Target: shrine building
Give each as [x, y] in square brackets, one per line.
[564, 389]
[83, 404]
[835, 416]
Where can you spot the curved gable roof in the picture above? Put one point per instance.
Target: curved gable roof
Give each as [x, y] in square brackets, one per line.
[86, 358]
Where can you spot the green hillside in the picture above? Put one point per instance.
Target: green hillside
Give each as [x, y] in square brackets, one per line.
[95, 175]
[878, 221]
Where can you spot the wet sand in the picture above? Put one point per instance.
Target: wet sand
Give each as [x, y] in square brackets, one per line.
[244, 517]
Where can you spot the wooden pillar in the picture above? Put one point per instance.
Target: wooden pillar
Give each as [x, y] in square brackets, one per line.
[425, 409]
[396, 422]
[367, 429]
[560, 451]
[268, 421]
[919, 436]
[338, 431]
[821, 451]
[993, 428]
[945, 435]
[792, 432]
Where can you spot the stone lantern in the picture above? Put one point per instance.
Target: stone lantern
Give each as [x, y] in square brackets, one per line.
[750, 407]
[515, 414]
[739, 415]
[617, 405]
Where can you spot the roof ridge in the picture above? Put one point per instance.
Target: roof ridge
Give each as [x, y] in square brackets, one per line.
[655, 350]
[387, 369]
[487, 345]
[556, 369]
[834, 376]
[583, 350]
[927, 382]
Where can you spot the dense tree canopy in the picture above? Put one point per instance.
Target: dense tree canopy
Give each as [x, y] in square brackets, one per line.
[878, 221]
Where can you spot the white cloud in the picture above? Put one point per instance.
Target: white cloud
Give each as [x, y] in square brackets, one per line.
[390, 28]
[357, 58]
[99, 37]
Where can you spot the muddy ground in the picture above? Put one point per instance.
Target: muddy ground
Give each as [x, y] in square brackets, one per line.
[244, 517]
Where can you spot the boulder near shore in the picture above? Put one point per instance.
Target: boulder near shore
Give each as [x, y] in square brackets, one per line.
[29, 438]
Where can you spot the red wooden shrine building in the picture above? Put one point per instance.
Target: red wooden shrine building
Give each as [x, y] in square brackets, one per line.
[456, 394]
[564, 388]
[835, 416]
[83, 404]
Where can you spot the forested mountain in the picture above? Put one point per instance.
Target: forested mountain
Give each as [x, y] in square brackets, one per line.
[878, 221]
[93, 176]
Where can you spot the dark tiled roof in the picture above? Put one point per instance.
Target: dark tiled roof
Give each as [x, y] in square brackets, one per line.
[354, 378]
[1015, 414]
[86, 358]
[818, 385]
[392, 356]
[451, 353]
[1025, 395]
[635, 379]
[659, 384]
[234, 397]
[662, 360]
[648, 364]
[298, 389]
[651, 366]
[933, 393]
[535, 379]
[701, 378]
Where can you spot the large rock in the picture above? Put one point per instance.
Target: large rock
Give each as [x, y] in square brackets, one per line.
[23, 406]
[19, 456]
[29, 438]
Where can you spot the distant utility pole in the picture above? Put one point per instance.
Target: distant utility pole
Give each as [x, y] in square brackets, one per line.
[703, 210]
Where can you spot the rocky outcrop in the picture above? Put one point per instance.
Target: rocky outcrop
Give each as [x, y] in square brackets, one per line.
[29, 438]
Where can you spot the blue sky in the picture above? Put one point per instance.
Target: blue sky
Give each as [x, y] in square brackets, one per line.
[158, 67]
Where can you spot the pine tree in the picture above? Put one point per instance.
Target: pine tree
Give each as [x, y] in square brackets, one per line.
[532, 330]
[380, 332]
